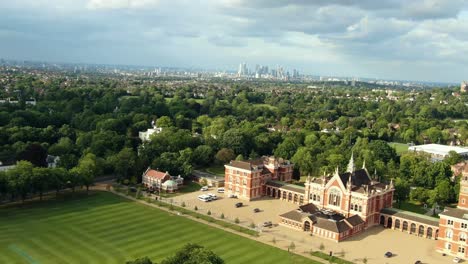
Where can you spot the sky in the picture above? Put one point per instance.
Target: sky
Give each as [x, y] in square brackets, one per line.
[423, 40]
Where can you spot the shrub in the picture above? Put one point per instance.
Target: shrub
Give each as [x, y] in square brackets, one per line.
[321, 247]
[273, 240]
[252, 225]
[236, 220]
[183, 204]
[209, 212]
[292, 246]
[195, 208]
[222, 216]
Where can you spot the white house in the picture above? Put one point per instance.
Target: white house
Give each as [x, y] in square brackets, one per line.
[145, 135]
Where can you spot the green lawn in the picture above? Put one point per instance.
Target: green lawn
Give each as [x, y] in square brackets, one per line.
[215, 169]
[399, 147]
[411, 206]
[105, 228]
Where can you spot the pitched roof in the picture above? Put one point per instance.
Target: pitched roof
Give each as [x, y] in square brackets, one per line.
[245, 165]
[156, 174]
[455, 212]
[294, 215]
[309, 208]
[358, 178]
[413, 216]
[330, 225]
[354, 220]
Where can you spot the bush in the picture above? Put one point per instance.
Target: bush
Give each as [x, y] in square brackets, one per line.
[252, 225]
[222, 216]
[183, 204]
[321, 247]
[209, 212]
[236, 220]
[195, 208]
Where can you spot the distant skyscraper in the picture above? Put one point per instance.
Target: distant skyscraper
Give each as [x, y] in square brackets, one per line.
[242, 70]
[464, 87]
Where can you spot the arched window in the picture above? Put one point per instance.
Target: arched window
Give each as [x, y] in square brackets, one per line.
[448, 233]
[355, 207]
[334, 198]
[463, 237]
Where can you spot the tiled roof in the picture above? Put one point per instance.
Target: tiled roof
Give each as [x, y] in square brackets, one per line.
[456, 212]
[358, 178]
[412, 216]
[354, 220]
[294, 215]
[309, 208]
[156, 174]
[337, 227]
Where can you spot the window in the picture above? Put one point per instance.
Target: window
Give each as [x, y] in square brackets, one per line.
[463, 201]
[448, 233]
[448, 246]
[463, 237]
[449, 222]
[360, 209]
[461, 250]
[334, 198]
[464, 225]
[318, 198]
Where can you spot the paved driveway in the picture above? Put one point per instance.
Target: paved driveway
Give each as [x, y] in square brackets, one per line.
[270, 208]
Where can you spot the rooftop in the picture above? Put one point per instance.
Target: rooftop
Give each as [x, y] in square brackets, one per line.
[411, 216]
[438, 149]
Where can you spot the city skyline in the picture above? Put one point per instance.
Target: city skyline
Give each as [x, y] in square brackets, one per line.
[421, 40]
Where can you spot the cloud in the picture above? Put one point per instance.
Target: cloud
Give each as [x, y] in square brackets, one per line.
[343, 37]
[121, 4]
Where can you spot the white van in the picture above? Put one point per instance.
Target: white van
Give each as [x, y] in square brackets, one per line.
[204, 188]
[204, 198]
[220, 190]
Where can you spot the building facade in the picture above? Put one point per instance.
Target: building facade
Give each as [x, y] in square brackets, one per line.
[339, 206]
[158, 180]
[248, 179]
[453, 225]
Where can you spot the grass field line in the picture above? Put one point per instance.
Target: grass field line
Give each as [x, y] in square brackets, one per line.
[314, 258]
[22, 253]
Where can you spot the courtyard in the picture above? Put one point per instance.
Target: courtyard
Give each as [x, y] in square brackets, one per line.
[270, 208]
[371, 244]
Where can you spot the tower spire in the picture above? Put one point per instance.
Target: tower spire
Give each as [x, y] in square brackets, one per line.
[350, 167]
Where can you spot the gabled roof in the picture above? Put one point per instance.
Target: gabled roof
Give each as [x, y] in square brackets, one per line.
[354, 220]
[156, 174]
[358, 178]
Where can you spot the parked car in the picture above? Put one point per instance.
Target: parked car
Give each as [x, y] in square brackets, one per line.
[204, 198]
[212, 196]
[204, 188]
[256, 210]
[267, 224]
[388, 254]
[232, 196]
[457, 260]
[220, 190]
[239, 205]
[418, 262]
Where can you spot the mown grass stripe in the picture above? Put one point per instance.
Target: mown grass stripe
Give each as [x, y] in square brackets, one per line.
[105, 228]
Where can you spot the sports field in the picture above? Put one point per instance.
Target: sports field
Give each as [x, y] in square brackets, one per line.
[105, 228]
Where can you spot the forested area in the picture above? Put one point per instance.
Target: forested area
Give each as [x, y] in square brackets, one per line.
[92, 124]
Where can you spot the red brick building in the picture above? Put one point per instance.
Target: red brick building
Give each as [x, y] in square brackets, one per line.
[342, 204]
[453, 225]
[247, 179]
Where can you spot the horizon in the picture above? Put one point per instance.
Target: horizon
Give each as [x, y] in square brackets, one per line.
[390, 40]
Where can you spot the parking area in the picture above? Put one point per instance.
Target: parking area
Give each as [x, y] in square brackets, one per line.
[270, 208]
[371, 244]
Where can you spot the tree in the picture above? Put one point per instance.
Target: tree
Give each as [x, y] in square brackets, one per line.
[453, 158]
[193, 254]
[20, 178]
[164, 121]
[292, 246]
[86, 170]
[41, 180]
[144, 260]
[123, 162]
[225, 155]
[203, 155]
[402, 190]
[35, 154]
